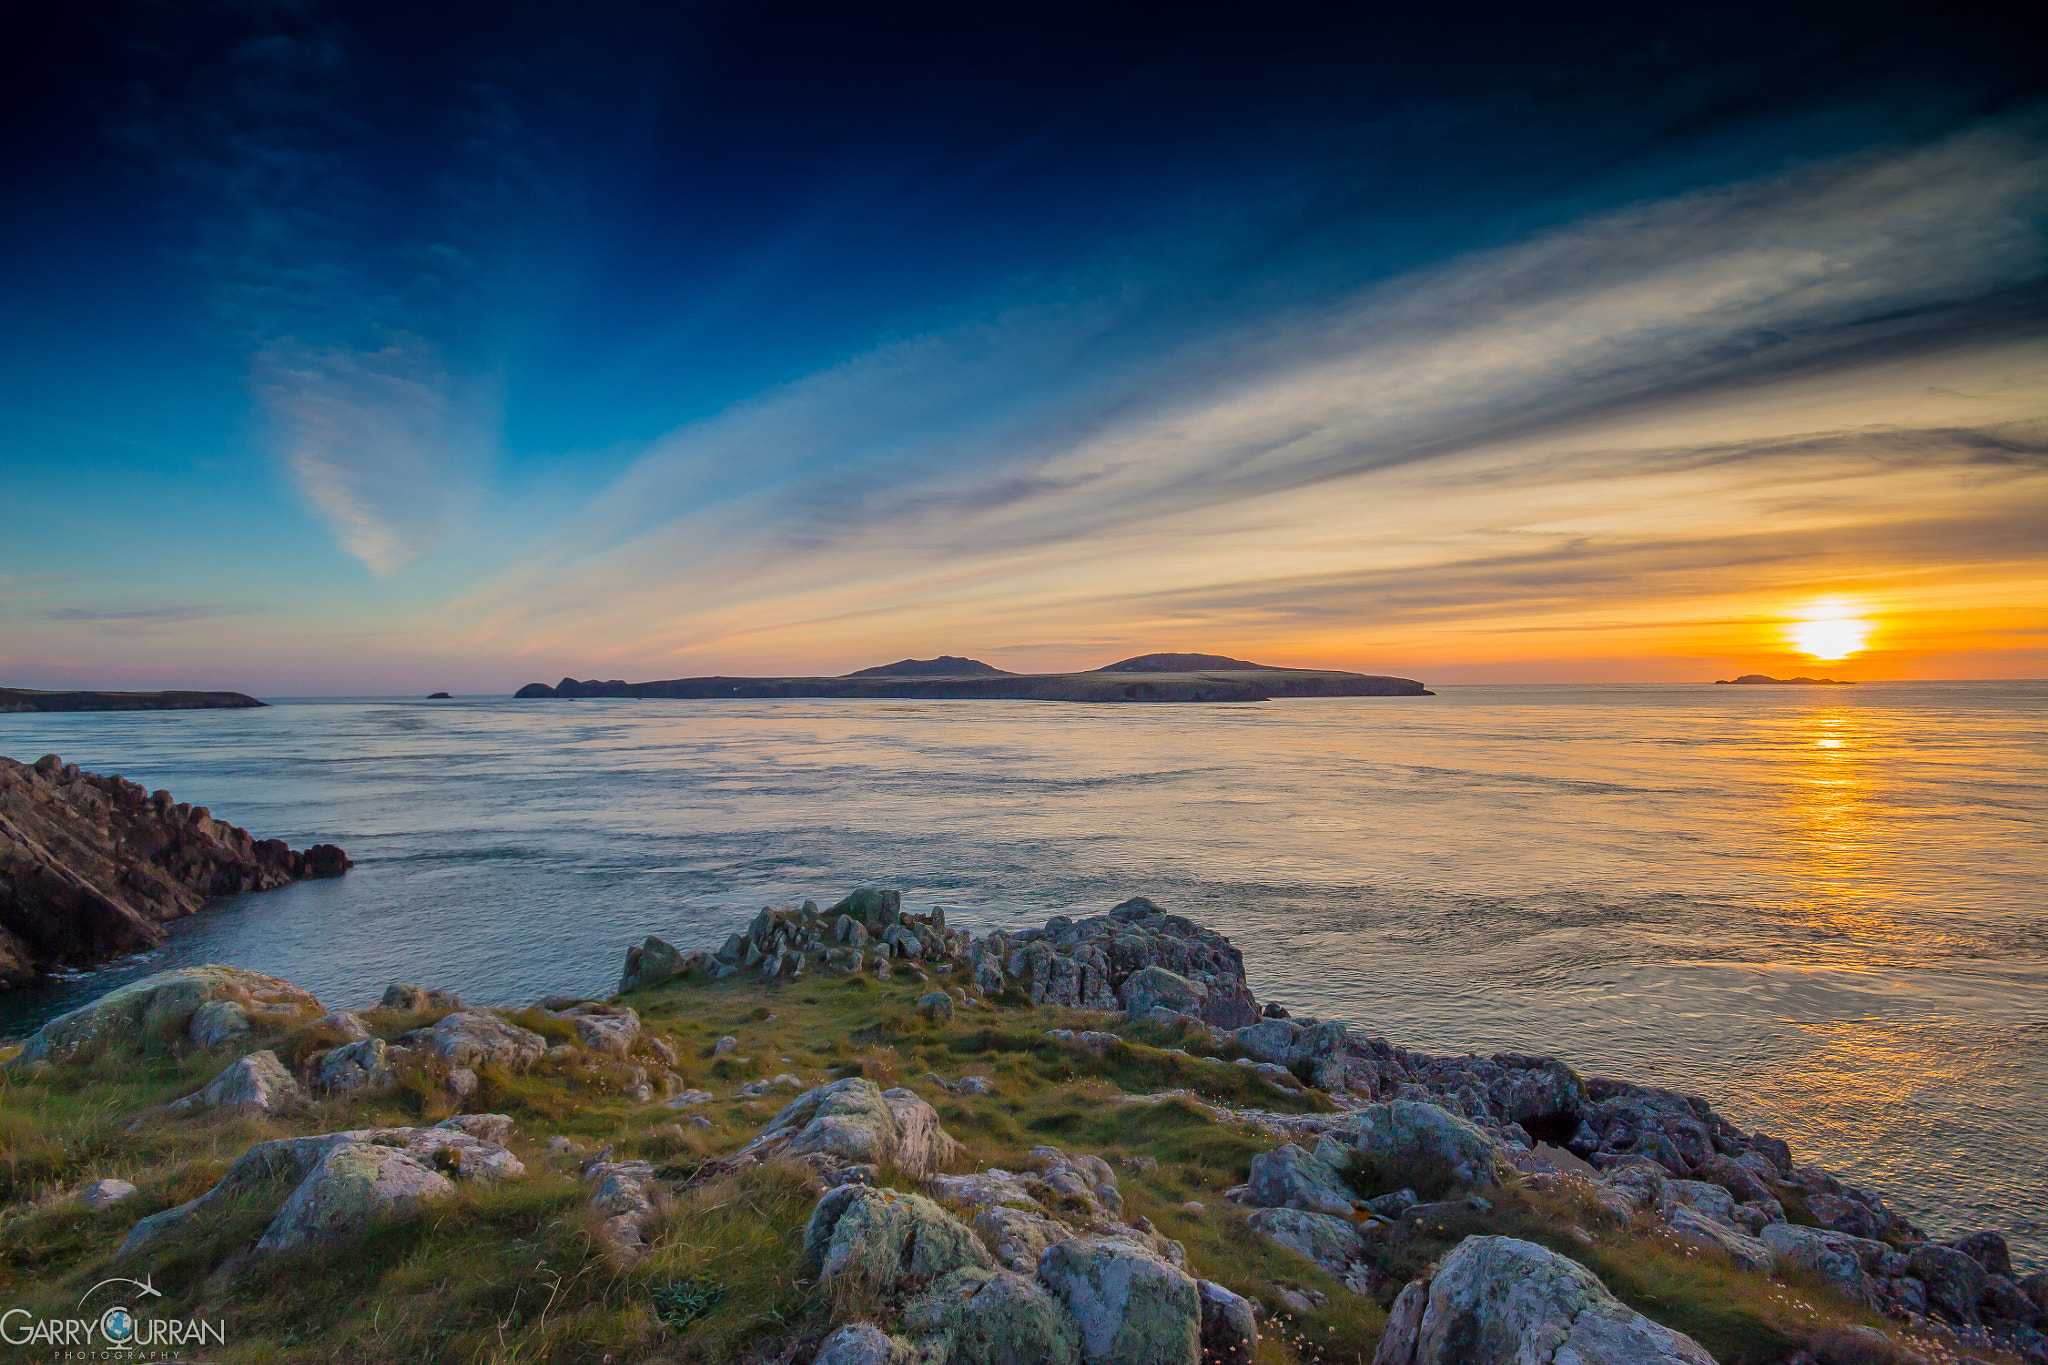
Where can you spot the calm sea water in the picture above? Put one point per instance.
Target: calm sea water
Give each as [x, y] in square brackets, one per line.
[1821, 908]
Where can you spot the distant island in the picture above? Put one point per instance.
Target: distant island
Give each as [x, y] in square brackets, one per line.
[1146, 678]
[439, 696]
[1768, 681]
[19, 699]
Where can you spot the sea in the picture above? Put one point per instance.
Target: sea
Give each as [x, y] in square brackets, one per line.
[1821, 908]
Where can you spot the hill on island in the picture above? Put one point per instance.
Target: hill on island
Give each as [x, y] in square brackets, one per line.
[1180, 663]
[945, 666]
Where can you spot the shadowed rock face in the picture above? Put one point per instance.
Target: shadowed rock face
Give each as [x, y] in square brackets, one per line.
[92, 867]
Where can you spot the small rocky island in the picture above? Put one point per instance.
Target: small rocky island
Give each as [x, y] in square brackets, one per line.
[1765, 680]
[1146, 678]
[24, 699]
[93, 867]
[864, 1136]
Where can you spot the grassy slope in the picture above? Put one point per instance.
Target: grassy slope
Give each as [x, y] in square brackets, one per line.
[515, 1274]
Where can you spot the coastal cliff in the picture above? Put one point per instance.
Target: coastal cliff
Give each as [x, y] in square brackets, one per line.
[862, 1134]
[25, 699]
[93, 867]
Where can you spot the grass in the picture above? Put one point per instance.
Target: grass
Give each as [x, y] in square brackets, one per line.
[516, 1273]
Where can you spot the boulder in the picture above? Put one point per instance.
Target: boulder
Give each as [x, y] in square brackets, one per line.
[1291, 1178]
[160, 1009]
[1230, 1329]
[255, 1084]
[1502, 1301]
[355, 1185]
[285, 1161]
[936, 1005]
[1128, 1306]
[612, 1034]
[1954, 1280]
[1404, 1134]
[462, 1155]
[358, 1066]
[1691, 1226]
[991, 1317]
[1331, 1242]
[104, 1194]
[886, 1239]
[349, 1026]
[1018, 1237]
[654, 962]
[410, 999]
[472, 1039]
[1987, 1249]
[1836, 1257]
[853, 1122]
[490, 1127]
[861, 1343]
[1155, 987]
[217, 1022]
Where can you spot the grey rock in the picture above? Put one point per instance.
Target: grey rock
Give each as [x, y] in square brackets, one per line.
[255, 1084]
[1987, 1249]
[688, 1098]
[1149, 988]
[1954, 1280]
[162, 1007]
[490, 1127]
[217, 1022]
[1404, 1132]
[999, 1317]
[1291, 1178]
[610, 1034]
[935, 1005]
[725, 1045]
[1230, 1329]
[1128, 1306]
[355, 1185]
[349, 1026]
[853, 1121]
[862, 1343]
[1688, 1224]
[1331, 1242]
[105, 1193]
[461, 1083]
[410, 999]
[1837, 1257]
[1501, 1301]
[885, 1239]
[358, 1066]
[474, 1039]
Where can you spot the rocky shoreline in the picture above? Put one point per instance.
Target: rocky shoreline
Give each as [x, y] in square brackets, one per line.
[1461, 1202]
[92, 867]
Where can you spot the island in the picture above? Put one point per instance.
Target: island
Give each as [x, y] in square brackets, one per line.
[20, 699]
[439, 696]
[1145, 678]
[1768, 681]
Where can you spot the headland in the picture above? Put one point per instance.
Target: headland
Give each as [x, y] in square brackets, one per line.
[1146, 678]
[1765, 680]
[20, 699]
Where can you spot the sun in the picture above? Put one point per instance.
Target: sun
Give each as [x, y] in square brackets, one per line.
[1830, 631]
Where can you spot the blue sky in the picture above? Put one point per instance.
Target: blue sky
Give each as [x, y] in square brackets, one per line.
[353, 350]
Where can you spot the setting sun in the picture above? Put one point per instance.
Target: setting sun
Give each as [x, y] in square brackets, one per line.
[1830, 633]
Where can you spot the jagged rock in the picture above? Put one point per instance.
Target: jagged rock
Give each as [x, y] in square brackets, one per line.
[409, 999]
[1128, 1306]
[93, 867]
[885, 1239]
[991, 1317]
[358, 1066]
[1017, 1237]
[1331, 1242]
[1837, 1257]
[1294, 1179]
[471, 1039]
[161, 1008]
[255, 1084]
[355, 1185]
[1083, 964]
[104, 1194]
[1086, 1180]
[1497, 1301]
[854, 1122]
[1230, 1329]
[655, 961]
[1405, 1132]
[861, 1343]
[1689, 1224]
[1155, 987]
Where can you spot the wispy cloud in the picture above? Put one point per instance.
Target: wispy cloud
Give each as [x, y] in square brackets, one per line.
[1024, 474]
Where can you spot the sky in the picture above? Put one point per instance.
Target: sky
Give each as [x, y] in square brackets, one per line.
[375, 349]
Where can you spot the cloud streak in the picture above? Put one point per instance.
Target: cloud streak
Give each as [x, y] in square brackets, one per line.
[1025, 476]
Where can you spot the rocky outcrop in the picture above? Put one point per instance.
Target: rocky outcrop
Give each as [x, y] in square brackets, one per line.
[474, 1038]
[355, 1185]
[179, 1008]
[1091, 964]
[1501, 1301]
[93, 867]
[255, 1084]
[853, 1124]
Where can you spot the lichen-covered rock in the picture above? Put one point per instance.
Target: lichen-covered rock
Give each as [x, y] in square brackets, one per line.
[1018, 1237]
[475, 1039]
[655, 961]
[1331, 1242]
[853, 1122]
[161, 1008]
[1501, 1301]
[490, 1127]
[1291, 1178]
[612, 1032]
[255, 1084]
[104, 1194]
[862, 1343]
[217, 1022]
[1690, 1225]
[991, 1317]
[935, 1005]
[1084, 964]
[346, 1023]
[1404, 1132]
[1155, 987]
[1954, 1280]
[464, 1156]
[1230, 1329]
[1834, 1256]
[355, 1185]
[886, 1239]
[1084, 1180]
[1128, 1306]
[358, 1066]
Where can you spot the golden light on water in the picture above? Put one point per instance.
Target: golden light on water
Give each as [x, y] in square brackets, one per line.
[1830, 630]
